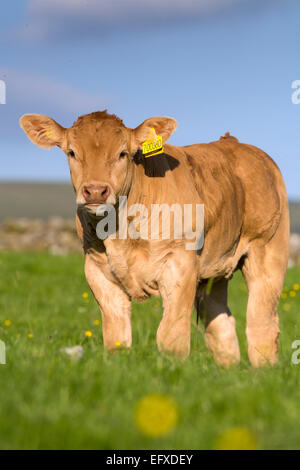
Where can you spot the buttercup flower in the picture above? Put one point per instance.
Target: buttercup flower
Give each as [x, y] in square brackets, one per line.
[30, 335]
[156, 415]
[7, 323]
[88, 333]
[85, 295]
[237, 438]
[96, 322]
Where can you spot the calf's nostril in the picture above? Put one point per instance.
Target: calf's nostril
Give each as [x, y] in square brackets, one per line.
[87, 193]
[105, 192]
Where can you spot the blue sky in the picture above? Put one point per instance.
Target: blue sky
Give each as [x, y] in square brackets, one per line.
[213, 65]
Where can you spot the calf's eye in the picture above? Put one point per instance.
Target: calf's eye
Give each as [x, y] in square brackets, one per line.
[123, 154]
[71, 154]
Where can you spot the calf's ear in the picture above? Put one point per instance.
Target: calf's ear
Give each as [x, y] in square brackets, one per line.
[42, 130]
[164, 126]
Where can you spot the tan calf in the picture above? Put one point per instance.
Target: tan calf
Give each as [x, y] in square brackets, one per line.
[246, 226]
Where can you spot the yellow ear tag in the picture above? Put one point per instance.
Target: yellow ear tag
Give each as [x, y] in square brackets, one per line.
[153, 145]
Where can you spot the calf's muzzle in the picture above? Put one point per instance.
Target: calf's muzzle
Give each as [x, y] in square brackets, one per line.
[95, 193]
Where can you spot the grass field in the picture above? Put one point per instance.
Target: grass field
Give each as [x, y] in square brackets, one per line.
[112, 401]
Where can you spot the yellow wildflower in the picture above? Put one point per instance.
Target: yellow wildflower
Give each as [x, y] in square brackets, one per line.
[237, 438]
[30, 335]
[292, 293]
[88, 333]
[156, 415]
[85, 295]
[96, 322]
[7, 323]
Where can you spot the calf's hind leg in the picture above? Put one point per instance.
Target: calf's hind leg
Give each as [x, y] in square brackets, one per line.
[264, 271]
[220, 333]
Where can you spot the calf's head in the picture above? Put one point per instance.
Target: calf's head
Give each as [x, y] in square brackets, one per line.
[100, 151]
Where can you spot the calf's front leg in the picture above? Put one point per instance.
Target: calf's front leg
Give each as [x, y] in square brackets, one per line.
[115, 307]
[177, 287]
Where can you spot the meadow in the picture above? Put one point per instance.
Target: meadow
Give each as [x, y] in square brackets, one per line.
[137, 399]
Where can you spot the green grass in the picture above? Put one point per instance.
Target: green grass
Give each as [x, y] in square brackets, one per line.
[49, 401]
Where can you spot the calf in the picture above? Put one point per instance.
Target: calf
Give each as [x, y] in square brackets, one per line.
[246, 226]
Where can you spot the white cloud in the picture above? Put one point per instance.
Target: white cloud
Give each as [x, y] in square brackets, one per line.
[81, 18]
[32, 93]
[44, 91]
[116, 8]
